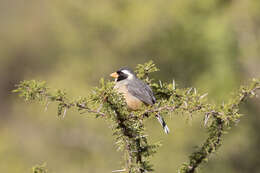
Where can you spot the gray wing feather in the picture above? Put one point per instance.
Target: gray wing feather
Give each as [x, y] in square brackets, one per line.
[142, 91]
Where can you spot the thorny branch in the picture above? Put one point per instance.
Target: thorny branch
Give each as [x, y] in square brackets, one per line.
[222, 120]
[129, 127]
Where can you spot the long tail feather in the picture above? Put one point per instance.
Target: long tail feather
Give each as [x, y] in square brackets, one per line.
[162, 122]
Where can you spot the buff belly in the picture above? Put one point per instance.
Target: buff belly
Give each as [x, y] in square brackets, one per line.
[132, 102]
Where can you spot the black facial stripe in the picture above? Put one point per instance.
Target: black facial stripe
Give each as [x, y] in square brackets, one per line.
[121, 76]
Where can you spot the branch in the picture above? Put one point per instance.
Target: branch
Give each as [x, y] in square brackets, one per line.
[223, 119]
[128, 126]
[37, 91]
[128, 129]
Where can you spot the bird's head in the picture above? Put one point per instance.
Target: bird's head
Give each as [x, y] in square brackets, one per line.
[123, 74]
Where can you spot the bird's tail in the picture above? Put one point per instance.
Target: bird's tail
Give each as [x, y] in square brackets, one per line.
[162, 122]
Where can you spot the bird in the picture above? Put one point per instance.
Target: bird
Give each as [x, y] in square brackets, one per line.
[136, 92]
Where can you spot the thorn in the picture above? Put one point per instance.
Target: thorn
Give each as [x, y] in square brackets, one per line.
[206, 119]
[188, 92]
[64, 113]
[46, 106]
[122, 170]
[100, 107]
[173, 84]
[144, 136]
[236, 122]
[82, 104]
[186, 104]
[204, 95]
[118, 142]
[160, 82]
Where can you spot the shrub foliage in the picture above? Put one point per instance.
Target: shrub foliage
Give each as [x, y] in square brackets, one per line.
[128, 128]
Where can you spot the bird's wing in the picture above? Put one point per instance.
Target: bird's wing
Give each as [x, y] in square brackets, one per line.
[142, 91]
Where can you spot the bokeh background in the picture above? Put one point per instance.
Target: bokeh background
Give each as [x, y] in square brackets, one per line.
[213, 45]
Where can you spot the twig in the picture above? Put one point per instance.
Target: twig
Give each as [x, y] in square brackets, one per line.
[46, 106]
[81, 106]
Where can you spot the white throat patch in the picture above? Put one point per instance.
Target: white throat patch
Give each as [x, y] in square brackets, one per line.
[130, 75]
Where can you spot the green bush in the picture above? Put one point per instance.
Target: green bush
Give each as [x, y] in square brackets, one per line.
[128, 128]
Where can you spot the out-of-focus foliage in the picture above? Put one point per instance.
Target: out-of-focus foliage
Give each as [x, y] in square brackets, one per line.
[212, 45]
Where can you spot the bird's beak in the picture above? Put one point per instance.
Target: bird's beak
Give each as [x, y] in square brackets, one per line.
[114, 75]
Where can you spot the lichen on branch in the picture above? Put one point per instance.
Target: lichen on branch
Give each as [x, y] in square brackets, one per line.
[128, 128]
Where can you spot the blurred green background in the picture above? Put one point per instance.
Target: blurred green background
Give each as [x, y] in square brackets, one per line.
[213, 45]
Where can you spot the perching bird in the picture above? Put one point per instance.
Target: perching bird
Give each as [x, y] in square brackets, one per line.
[135, 91]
